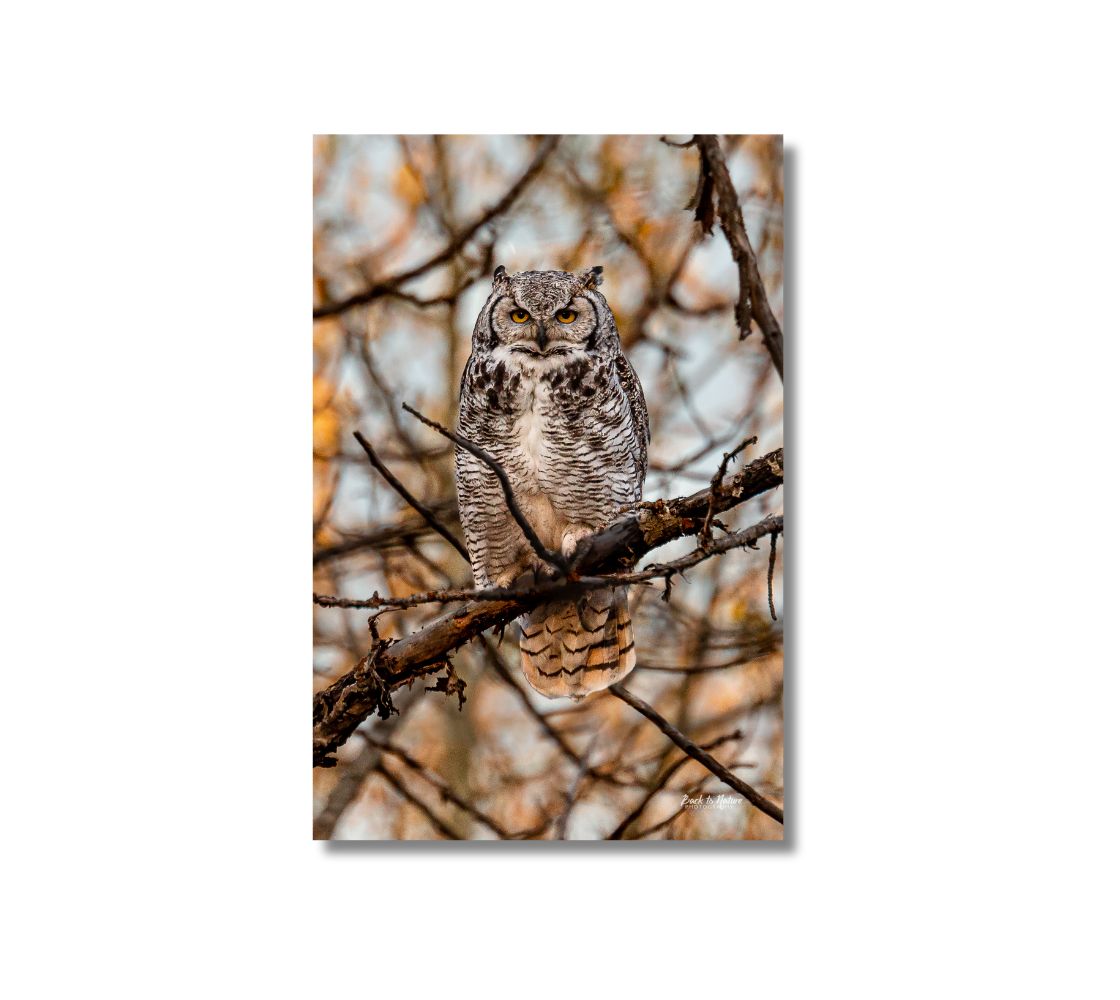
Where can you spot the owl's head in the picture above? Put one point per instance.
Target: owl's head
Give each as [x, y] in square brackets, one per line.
[544, 315]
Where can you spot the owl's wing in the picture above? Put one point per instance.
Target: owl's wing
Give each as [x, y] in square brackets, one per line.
[637, 400]
[482, 508]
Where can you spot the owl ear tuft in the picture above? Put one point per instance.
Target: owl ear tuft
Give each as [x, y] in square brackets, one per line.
[593, 276]
[501, 281]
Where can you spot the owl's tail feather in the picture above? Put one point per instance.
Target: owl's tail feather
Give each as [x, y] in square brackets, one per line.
[571, 648]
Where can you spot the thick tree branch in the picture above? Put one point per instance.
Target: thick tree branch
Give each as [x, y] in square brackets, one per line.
[753, 302]
[340, 708]
[391, 285]
[554, 589]
[352, 778]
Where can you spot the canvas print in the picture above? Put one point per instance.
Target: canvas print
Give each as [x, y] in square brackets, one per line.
[548, 472]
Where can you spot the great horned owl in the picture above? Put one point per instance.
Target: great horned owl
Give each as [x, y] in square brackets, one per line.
[548, 393]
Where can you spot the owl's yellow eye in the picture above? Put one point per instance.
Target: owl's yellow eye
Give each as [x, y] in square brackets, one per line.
[519, 316]
[566, 315]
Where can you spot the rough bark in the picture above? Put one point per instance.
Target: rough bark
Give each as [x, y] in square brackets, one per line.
[340, 708]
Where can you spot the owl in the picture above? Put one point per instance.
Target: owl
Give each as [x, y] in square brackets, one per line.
[548, 393]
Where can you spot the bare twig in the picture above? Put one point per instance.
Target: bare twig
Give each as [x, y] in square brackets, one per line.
[760, 646]
[408, 498]
[773, 810]
[661, 782]
[770, 574]
[753, 302]
[573, 792]
[668, 820]
[404, 793]
[546, 727]
[553, 558]
[734, 540]
[717, 481]
[391, 536]
[391, 285]
[437, 783]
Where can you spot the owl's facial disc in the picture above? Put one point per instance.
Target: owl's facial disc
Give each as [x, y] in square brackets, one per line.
[553, 332]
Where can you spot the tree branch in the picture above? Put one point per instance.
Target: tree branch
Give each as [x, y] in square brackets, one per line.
[408, 498]
[717, 479]
[752, 292]
[660, 784]
[553, 558]
[402, 790]
[554, 589]
[340, 708]
[759, 801]
[439, 785]
[391, 285]
[404, 534]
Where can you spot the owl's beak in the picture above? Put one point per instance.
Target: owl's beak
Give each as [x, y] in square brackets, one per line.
[542, 337]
